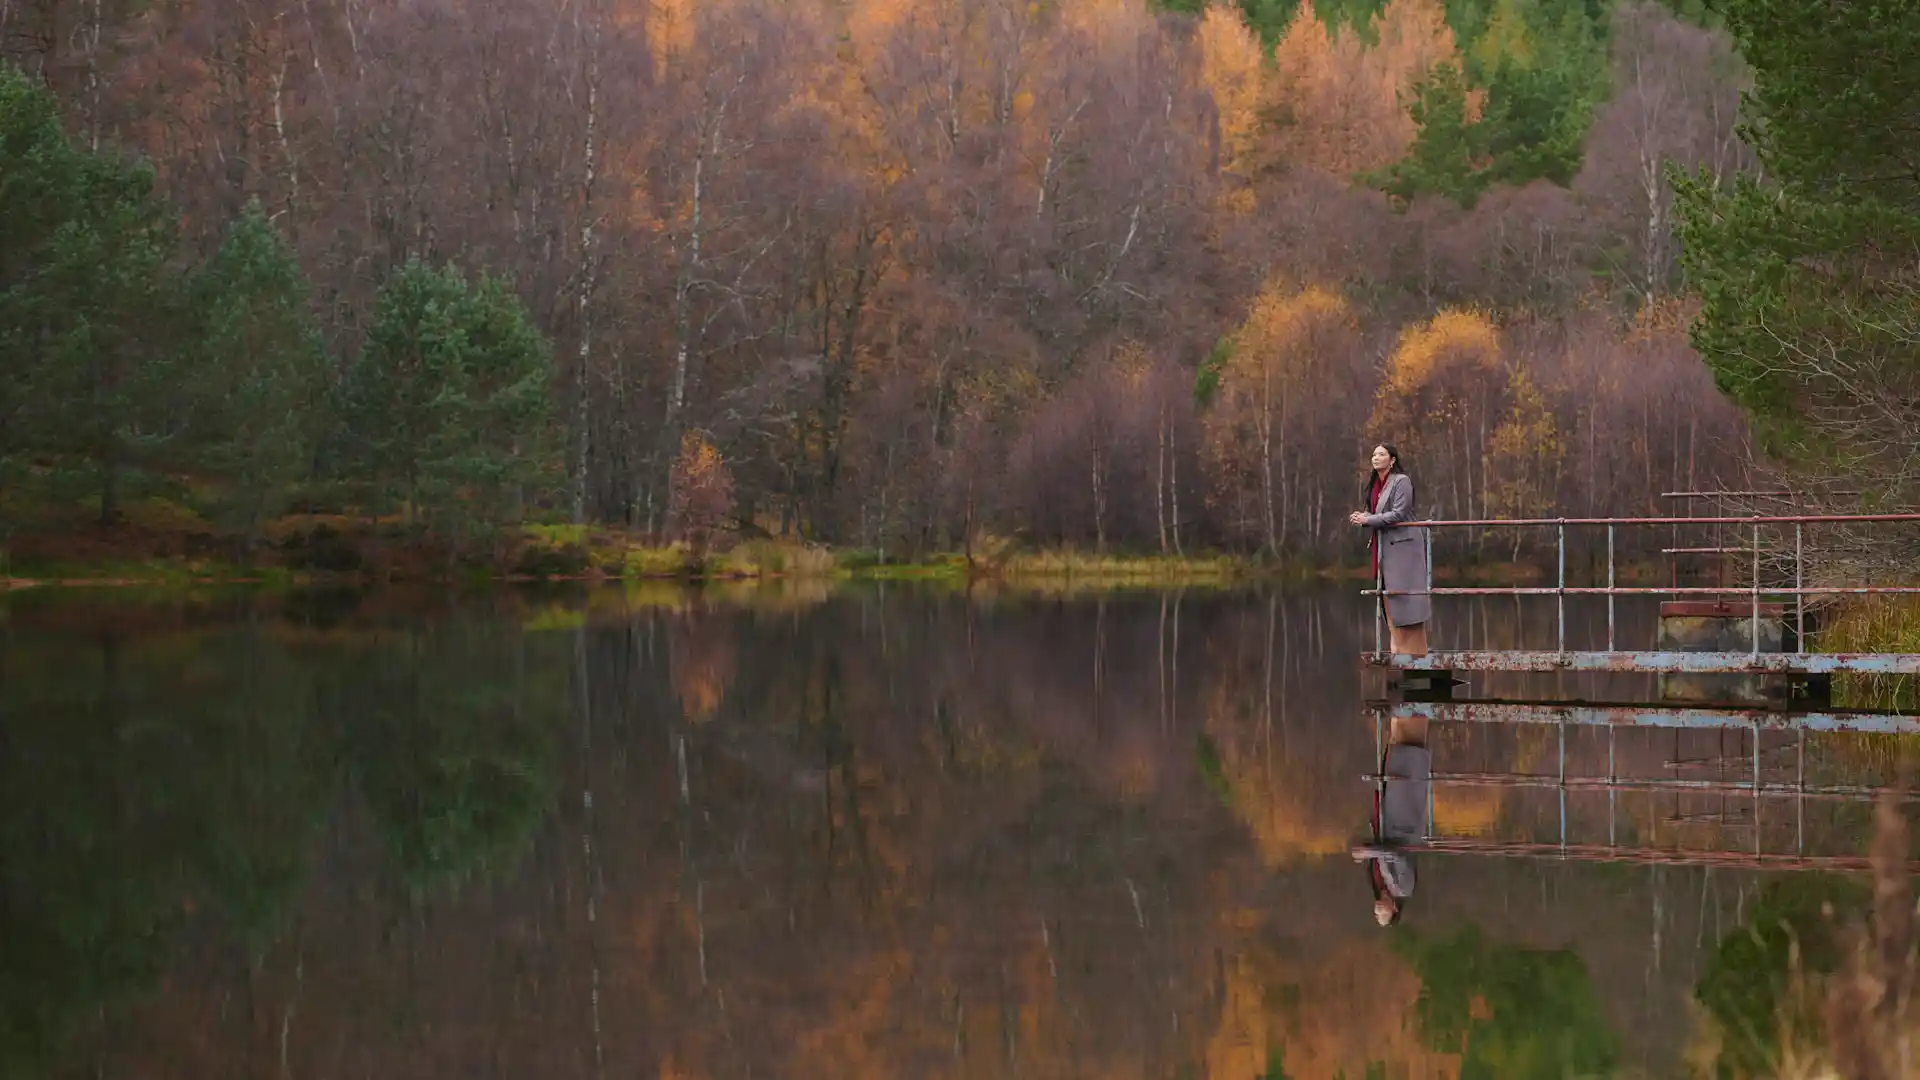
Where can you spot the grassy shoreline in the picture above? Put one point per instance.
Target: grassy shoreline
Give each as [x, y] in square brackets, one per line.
[300, 551]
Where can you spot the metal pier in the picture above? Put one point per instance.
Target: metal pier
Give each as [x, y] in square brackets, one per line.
[1785, 703]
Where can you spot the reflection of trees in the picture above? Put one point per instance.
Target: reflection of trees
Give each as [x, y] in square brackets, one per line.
[874, 872]
[1265, 741]
[1510, 1012]
[452, 748]
[138, 783]
[701, 651]
[150, 783]
[1339, 1014]
[1747, 988]
[916, 838]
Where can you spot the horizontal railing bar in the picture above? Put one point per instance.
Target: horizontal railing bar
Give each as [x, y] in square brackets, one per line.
[1662, 856]
[1750, 494]
[1844, 793]
[1790, 519]
[1645, 590]
[1652, 662]
[1706, 551]
[1653, 716]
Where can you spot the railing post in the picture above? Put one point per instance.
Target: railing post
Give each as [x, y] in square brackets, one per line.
[1563, 783]
[1799, 597]
[1379, 612]
[1613, 780]
[1756, 594]
[1560, 597]
[1800, 803]
[1427, 545]
[1610, 587]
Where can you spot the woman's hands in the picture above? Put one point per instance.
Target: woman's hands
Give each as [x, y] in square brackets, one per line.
[1357, 518]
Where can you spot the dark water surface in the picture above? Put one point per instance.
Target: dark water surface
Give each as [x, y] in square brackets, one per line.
[859, 834]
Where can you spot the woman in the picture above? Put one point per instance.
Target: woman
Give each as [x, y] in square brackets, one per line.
[1399, 554]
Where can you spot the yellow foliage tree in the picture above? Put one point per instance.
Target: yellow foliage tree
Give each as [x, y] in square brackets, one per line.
[1232, 70]
[701, 491]
[1290, 339]
[670, 29]
[1443, 391]
[1345, 106]
[1505, 37]
[1527, 450]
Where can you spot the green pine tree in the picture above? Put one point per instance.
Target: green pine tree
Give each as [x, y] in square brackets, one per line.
[1810, 300]
[448, 410]
[1543, 69]
[1448, 156]
[258, 370]
[90, 301]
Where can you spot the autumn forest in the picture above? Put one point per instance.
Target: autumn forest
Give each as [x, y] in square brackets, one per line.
[888, 274]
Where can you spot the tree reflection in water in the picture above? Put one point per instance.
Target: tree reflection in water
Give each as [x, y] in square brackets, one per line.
[838, 835]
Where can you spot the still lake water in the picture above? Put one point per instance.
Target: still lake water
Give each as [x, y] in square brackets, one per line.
[875, 833]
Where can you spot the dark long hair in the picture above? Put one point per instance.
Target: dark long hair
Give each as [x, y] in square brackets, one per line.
[1366, 482]
[1380, 892]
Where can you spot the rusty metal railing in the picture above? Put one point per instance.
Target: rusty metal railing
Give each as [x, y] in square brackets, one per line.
[1754, 590]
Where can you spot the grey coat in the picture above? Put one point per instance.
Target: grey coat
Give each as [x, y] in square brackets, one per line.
[1403, 816]
[1404, 554]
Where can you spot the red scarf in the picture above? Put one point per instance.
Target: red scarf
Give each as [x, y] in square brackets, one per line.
[1377, 488]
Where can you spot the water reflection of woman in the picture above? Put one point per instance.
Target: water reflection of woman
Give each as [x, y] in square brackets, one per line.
[1399, 553]
[1399, 818]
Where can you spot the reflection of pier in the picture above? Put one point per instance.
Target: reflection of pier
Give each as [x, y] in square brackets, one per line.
[1657, 662]
[1645, 856]
[1657, 716]
[1740, 665]
[1751, 787]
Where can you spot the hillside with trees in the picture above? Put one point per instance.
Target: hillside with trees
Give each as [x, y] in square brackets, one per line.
[1089, 273]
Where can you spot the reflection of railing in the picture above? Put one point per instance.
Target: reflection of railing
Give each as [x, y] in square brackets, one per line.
[1650, 856]
[1632, 715]
[1754, 590]
[1615, 718]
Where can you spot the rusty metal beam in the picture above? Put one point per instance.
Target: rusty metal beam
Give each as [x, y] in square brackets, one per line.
[1750, 494]
[1745, 789]
[1756, 519]
[1647, 856]
[1649, 590]
[1652, 662]
[1653, 716]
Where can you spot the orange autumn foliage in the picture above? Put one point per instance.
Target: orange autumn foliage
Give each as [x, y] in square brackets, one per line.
[1453, 340]
[1344, 106]
[1446, 387]
[1232, 70]
[1292, 340]
[702, 490]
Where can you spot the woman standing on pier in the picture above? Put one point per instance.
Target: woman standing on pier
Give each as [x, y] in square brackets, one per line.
[1399, 554]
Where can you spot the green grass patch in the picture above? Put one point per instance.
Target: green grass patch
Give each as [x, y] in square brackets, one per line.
[1080, 565]
[1888, 624]
[558, 536]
